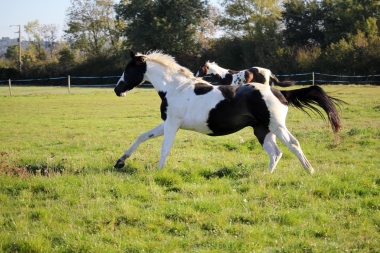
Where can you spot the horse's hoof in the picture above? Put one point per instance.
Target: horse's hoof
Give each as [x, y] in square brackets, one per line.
[119, 164]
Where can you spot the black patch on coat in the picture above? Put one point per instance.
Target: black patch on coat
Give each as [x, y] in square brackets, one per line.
[164, 105]
[279, 95]
[244, 108]
[202, 88]
[227, 80]
[228, 92]
[260, 132]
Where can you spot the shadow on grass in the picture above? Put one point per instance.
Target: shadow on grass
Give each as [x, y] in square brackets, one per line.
[127, 169]
[234, 173]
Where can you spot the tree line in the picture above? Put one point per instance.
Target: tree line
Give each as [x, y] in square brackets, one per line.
[293, 36]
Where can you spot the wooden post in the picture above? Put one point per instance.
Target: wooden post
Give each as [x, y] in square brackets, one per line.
[10, 87]
[313, 78]
[68, 83]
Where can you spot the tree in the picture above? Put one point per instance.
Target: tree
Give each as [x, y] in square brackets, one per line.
[49, 35]
[255, 24]
[12, 54]
[241, 17]
[345, 17]
[320, 23]
[166, 25]
[92, 27]
[357, 55]
[208, 27]
[36, 50]
[303, 22]
[66, 57]
[226, 51]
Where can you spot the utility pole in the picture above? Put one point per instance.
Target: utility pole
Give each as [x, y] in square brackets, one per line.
[19, 46]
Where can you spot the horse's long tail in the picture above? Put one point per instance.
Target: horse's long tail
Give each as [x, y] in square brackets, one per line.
[315, 96]
[274, 79]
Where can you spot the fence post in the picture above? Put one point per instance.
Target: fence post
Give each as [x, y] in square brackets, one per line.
[68, 83]
[10, 87]
[313, 78]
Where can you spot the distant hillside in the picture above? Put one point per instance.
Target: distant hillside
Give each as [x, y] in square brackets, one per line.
[6, 41]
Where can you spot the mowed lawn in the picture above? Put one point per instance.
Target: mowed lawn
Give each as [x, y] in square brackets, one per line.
[59, 191]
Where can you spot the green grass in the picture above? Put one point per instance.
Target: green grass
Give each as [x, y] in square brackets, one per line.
[59, 191]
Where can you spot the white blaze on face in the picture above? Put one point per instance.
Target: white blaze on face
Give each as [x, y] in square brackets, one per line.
[121, 79]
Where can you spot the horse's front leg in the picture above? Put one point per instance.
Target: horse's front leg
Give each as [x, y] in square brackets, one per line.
[155, 132]
[170, 130]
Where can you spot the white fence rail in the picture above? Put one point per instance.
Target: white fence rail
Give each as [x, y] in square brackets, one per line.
[93, 81]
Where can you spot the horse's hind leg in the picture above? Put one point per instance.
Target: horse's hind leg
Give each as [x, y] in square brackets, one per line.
[292, 143]
[268, 142]
[274, 152]
[155, 132]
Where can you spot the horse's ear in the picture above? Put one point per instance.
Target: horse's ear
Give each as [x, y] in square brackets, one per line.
[205, 62]
[133, 56]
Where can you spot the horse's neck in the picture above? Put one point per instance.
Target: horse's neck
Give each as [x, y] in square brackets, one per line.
[216, 70]
[161, 78]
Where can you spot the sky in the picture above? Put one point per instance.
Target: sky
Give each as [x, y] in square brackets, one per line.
[20, 12]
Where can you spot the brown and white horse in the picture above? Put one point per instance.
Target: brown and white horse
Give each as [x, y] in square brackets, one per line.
[234, 77]
[191, 103]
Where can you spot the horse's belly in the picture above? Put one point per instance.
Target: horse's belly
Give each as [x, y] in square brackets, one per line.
[196, 119]
[229, 123]
[196, 126]
[197, 113]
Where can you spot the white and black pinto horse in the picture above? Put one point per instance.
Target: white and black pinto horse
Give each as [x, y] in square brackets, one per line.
[238, 77]
[191, 103]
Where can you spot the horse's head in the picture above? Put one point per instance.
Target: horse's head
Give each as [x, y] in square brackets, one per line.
[133, 74]
[203, 70]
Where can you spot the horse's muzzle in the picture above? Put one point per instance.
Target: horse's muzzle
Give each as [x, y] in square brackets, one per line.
[120, 89]
[120, 93]
[117, 92]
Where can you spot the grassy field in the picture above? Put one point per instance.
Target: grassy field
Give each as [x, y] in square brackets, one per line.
[59, 191]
